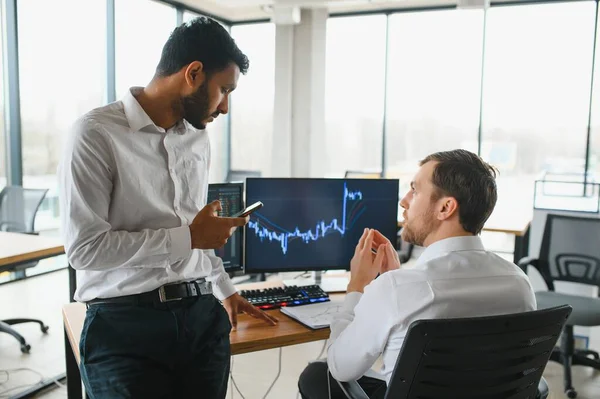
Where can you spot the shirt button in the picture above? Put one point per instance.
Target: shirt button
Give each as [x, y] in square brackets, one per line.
[172, 170]
[176, 207]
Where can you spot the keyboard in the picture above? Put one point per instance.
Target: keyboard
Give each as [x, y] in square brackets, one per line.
[270, 298]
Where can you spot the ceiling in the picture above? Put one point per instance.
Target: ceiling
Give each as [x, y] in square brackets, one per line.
[240, 10]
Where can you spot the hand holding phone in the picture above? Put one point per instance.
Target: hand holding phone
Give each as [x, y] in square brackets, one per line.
[248, 210]
[209, 231]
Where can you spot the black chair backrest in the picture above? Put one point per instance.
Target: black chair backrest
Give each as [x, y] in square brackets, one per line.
[570, 250]
[241, 175]
[18, 207]
[496, 357]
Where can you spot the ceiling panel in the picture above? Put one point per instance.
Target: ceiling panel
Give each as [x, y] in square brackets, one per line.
[240, 10]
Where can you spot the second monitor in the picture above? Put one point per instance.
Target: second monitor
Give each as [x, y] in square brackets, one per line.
[230, 195]
[315, 224]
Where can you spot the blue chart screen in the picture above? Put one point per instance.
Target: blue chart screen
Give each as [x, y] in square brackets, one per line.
[315, 224]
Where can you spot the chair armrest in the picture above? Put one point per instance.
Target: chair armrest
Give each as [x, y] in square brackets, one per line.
[527, 261]
[543, 390]
[352, 390]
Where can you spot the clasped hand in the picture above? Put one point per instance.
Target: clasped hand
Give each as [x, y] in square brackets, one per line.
[365, 265]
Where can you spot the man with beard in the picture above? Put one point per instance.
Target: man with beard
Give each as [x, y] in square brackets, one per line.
[133, 189]
[451, 197]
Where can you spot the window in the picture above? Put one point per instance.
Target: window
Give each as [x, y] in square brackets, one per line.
[141, 29]
[252, 102]
[62, 65]
[189, 15]
[536, 91]
[3, 158]
[433, 87]
[594, 157]
[353, 95]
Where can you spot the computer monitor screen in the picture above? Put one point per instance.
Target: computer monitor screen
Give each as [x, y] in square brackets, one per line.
[315, 224]
[230, 195]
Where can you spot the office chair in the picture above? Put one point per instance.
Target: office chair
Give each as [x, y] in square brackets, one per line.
[570, 252]
[352, 174]
[241, 175]
[495, 357]
[18, 207]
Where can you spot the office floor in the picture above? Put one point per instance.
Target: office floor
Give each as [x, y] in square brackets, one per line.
[43, 297]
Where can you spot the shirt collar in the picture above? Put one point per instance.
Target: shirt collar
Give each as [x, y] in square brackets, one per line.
[135, 114]
[452, 244]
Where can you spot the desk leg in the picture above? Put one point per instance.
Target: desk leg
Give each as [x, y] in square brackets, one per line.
[73, 377]
[521, 246]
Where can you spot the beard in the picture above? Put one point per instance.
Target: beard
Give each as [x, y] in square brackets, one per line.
[418, 234]
[195, 107]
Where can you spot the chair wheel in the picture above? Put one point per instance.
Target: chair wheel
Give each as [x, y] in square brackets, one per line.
[45, 329]
[25, 348]
[571, 394]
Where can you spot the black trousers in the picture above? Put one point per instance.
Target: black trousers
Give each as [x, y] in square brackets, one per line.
[313, 384]
[176, 350]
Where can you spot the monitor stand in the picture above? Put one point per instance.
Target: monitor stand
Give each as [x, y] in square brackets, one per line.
[327, 284]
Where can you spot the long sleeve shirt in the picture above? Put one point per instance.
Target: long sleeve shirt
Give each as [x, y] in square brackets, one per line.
[128, 191]
[452, 278]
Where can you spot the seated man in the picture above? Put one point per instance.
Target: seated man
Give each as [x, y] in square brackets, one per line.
[451, 197]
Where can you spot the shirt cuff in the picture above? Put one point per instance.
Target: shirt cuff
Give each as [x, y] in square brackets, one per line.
[181, 243]
[223, 287]
[351, 300]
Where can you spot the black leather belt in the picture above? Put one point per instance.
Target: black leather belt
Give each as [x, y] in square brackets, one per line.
[164, 294]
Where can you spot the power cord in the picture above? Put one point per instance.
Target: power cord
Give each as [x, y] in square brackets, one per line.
[270, 387]
[4, 394]
[278, 374]
[233, 381]
[301, 275]
[318, 357]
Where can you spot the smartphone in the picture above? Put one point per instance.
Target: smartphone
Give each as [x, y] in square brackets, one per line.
[248, 210]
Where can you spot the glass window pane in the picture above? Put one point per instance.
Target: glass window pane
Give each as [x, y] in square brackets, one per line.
[536, 91]
[141, 29]
[189, 15]
[252, 101]
[62, 76]
[433, 86]
[594, 156]
[354, 95]
[3, 170]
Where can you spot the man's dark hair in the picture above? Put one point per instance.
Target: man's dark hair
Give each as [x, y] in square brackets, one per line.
[470, 180]
[202, 39]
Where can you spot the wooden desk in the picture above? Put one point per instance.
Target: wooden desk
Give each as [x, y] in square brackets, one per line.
[252, 335]
[16, 248]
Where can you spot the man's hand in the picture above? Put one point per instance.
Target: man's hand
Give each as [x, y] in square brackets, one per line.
[209, 231]
[391, 260]
[365, 266]
[236, 304]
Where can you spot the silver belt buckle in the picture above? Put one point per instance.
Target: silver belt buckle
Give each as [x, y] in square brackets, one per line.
[162, 296]
[205, 287]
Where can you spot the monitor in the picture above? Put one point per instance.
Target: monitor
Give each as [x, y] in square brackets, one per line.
[241, 175]
[230, 195]
[315, 224]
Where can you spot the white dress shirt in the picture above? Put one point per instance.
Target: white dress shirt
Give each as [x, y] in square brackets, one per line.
[453, 278]
[128, 191]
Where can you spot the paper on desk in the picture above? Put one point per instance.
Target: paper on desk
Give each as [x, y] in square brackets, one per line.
[315, 315]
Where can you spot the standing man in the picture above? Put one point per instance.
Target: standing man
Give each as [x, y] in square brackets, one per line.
[133, 189]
